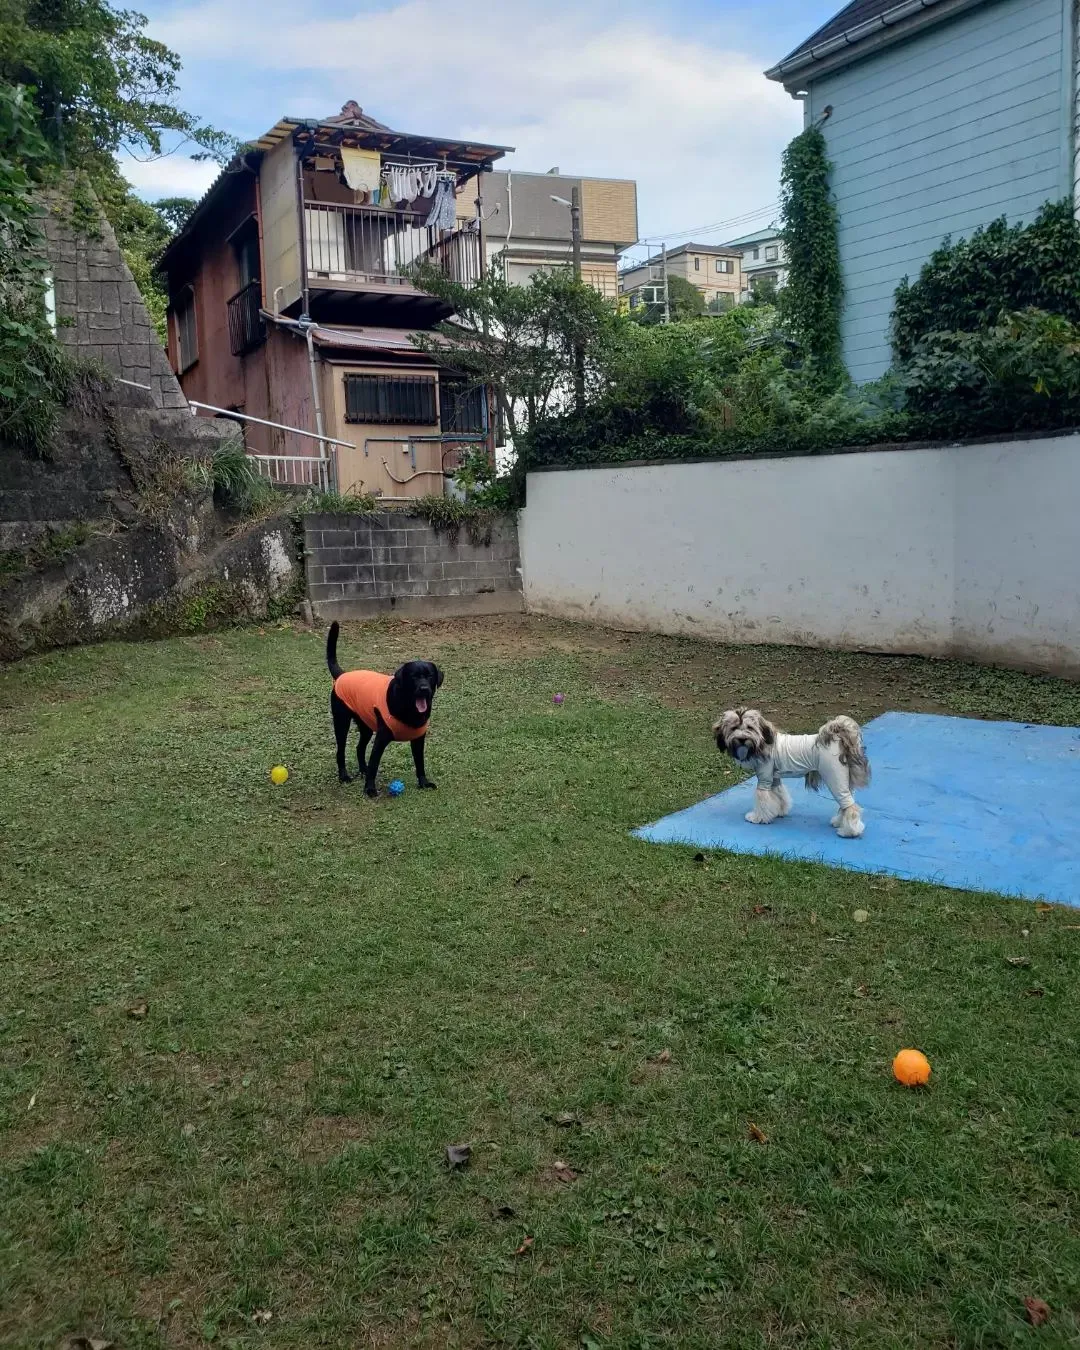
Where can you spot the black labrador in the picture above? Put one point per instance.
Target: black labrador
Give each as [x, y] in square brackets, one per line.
[389, 707]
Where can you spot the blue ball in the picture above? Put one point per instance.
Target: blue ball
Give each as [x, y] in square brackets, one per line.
[396, 788]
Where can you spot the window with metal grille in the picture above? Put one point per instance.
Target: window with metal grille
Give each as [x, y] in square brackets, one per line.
[187, 342]
[461, 408]
[409, 399]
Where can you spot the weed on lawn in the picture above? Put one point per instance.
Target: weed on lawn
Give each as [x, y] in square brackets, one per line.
[241, 1025]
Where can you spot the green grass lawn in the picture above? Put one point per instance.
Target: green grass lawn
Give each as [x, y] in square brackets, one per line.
[337, 989]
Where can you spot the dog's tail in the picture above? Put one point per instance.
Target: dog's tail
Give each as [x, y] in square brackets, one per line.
[852, 753]
[331, 650]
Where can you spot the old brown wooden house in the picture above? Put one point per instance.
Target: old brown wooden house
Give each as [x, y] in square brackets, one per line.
[290, 301]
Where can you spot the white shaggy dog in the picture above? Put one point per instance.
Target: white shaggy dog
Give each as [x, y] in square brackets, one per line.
[834, 756]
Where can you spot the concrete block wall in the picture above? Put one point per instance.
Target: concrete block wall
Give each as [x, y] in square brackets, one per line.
[392, 562]
[102, 310]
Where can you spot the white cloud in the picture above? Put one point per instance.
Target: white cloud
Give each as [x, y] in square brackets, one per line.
[592, 89]
[170, 176]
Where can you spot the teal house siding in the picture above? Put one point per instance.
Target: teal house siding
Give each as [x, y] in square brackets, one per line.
[964, 122]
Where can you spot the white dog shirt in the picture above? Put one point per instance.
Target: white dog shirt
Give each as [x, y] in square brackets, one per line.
[796, 756]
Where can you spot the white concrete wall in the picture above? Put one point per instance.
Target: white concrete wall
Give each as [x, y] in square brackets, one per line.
[968, 550]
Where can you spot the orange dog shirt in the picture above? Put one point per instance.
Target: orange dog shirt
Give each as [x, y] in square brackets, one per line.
[364, 693]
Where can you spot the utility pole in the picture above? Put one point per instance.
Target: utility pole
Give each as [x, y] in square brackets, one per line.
[667, 293]
[575, 243]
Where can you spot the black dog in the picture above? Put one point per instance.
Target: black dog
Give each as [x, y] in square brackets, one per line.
[389, 707]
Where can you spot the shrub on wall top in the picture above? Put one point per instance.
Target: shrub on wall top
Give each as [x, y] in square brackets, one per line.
[968, 285]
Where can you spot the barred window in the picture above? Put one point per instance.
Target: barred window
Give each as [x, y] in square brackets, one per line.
[461, 408]
[409, 399]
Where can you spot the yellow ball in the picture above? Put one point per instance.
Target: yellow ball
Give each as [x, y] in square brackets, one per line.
[279, 774]
[912, 1068]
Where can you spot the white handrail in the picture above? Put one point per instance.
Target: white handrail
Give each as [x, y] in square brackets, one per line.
[278, 426]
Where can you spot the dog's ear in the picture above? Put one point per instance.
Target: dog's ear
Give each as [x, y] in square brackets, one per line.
[768, 732]
[718, 732]
[438, 674]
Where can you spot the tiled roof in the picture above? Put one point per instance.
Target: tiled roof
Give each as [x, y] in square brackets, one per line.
[858, 21]
[859, 11]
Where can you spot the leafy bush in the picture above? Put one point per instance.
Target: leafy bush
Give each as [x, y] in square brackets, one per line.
[814, 294]
[1021, 374]
[731, 385]
[968, 285]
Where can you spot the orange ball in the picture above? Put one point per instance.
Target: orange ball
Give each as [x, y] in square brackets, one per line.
[912, 1068]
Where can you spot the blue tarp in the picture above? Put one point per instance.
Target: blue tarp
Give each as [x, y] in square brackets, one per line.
[986, 806]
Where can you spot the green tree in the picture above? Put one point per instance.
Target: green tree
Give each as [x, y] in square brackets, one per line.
[101, 86]
[685, 301]
[764, 292]
[521, 340]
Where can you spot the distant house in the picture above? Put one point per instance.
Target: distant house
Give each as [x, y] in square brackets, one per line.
[292, 302]
[940, 116]
[530, 232]
[715, 271]
[763, 260]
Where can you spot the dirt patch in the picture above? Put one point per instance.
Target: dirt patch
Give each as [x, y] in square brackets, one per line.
[324, 1137]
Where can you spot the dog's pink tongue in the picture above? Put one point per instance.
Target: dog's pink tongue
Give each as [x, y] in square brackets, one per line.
[421, 705]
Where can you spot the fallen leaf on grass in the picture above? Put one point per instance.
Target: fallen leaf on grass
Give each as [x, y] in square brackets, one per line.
[565, 1119]
[862, 991]
[759, 910]
[1019, 961]
[664, 1057]
[525, 876]
[261, 1316]
[1037, 1311]
[525, 1247]
[564, 1172]
[84, 1343]
[32, 1102]
[458, 1155]
[813, 916]
[757, 1134]
[138, 1011]
[861, 915]
[1043, 908]
[1034, 993]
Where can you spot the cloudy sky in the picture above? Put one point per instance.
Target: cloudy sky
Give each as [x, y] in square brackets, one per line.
[672, 96]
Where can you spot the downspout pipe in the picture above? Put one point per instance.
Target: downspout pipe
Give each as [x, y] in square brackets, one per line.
[305, 327]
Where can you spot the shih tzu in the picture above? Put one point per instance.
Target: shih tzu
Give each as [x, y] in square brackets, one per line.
[834, 756]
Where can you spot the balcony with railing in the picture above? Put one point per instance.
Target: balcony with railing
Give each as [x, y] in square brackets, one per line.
[247, 330]
[355, 248]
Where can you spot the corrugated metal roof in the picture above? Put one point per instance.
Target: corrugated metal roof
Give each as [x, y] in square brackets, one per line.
[366, 339]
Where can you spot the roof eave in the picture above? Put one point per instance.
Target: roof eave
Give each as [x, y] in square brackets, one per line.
[895, 25]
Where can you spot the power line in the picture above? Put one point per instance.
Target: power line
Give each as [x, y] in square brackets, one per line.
[744, 219]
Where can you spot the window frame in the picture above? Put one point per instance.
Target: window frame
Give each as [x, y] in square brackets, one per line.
[772, 253]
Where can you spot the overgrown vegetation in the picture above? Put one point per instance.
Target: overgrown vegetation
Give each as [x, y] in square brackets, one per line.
[79, 81]
[330, 502]
[33, 371]
[234, 478]
[814, 294]
[450, 515]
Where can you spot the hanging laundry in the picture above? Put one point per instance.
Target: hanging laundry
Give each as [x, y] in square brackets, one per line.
[443, 214]
[407, 182]
[363, 169]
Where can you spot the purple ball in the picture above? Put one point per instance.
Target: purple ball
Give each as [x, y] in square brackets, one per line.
[558, 698]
